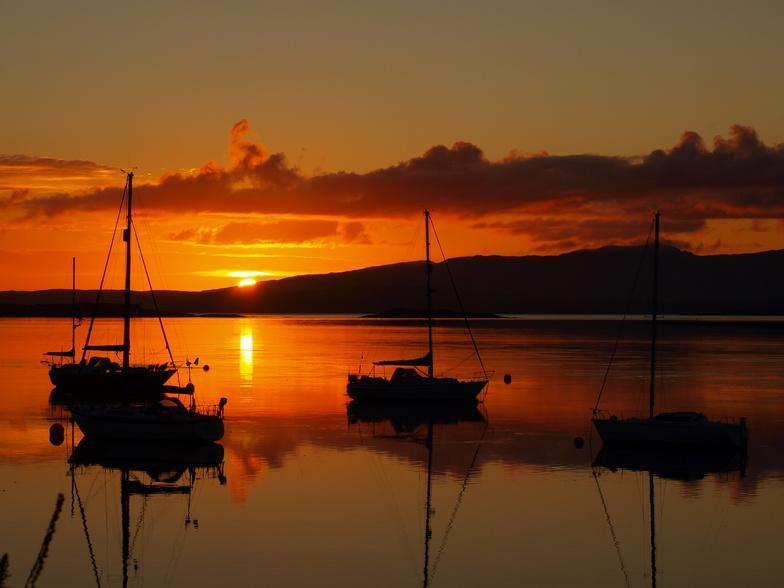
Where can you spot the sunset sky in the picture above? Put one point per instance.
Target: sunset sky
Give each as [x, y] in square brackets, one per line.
[279, 138]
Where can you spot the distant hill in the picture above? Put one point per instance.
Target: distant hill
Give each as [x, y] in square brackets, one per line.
[589, 281]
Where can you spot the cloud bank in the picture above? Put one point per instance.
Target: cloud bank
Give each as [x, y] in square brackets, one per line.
[556, 198]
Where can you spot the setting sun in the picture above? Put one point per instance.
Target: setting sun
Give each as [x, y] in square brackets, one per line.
[246, 282]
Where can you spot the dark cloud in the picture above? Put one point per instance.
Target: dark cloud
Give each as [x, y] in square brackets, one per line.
[292, 231]
[738, 177]
[560, 233]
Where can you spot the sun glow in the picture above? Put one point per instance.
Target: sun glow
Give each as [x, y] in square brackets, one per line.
[246, 282]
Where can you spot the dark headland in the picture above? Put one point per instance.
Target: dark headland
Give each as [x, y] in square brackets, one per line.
[582, 282]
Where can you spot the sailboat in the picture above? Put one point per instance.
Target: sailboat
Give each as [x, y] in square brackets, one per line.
[100, 374]
[165, 419]
[409, 381]
[668, 428]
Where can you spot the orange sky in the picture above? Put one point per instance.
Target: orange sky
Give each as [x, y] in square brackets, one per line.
[261, 217]
[277, 139]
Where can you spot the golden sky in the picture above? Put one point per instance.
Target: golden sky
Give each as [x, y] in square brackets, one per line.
[277, 139]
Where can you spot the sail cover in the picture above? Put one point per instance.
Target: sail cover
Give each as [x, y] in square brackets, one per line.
[104, 347]
[419, 361]
[69, 353]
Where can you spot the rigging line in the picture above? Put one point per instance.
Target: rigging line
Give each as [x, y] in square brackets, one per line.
[38, 566]
[152, 292]
[626, 310]
[103, 276]
[612, 529]
[459, 501]
[459, 300]
[87, 536]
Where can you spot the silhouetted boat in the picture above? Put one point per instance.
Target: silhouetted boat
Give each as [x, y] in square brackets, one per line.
[670, 428]
[165, 419]
[409, 381]
[100, 374]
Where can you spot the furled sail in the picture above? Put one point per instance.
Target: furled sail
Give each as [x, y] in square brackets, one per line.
[118, 348]
[69, 353]
[419, 361]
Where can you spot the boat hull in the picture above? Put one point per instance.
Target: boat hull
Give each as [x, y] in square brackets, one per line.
[116, 426]
[415, 389]
[84, 381]
[653, 432]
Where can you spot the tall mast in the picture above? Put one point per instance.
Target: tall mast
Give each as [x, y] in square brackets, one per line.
[428, 270]
[127, 305]
[73, 310]
[654, 302]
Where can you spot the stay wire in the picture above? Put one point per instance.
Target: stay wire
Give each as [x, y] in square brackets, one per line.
[103, 276]
[623, 320]
[459, 300]
[459, 501]
[152, 293]
[615, 540]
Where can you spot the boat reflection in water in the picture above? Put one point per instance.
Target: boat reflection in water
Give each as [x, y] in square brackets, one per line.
[146, 470]
[685, 464]
[406, 419]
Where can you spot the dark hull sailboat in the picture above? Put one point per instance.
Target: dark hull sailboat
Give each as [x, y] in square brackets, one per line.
[678, 429]
[103, 375]
[165, 420]
[411, 385]
[100, 375]
[673, 429]
[414, 379]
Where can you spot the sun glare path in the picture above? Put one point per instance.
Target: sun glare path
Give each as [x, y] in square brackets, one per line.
[246, 282]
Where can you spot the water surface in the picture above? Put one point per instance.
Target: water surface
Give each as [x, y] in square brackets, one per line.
[310, 491]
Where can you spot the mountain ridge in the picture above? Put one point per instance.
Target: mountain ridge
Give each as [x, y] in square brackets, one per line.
[583, 281]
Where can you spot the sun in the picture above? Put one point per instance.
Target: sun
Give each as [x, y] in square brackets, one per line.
[246, 282]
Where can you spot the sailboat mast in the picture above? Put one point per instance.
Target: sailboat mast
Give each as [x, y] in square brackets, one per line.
[654, 303]
[73, 310]
[127, 299]
[428, 271]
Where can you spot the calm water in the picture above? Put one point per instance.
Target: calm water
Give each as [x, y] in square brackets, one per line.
[310, 492]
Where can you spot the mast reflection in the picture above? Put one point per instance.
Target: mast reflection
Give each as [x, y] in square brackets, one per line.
[146, 470]
[406, 418]
[685, 465]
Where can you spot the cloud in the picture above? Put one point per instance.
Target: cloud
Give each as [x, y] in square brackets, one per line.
[291, 231]
[559, 234]
[19, 174]
[737, 177]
